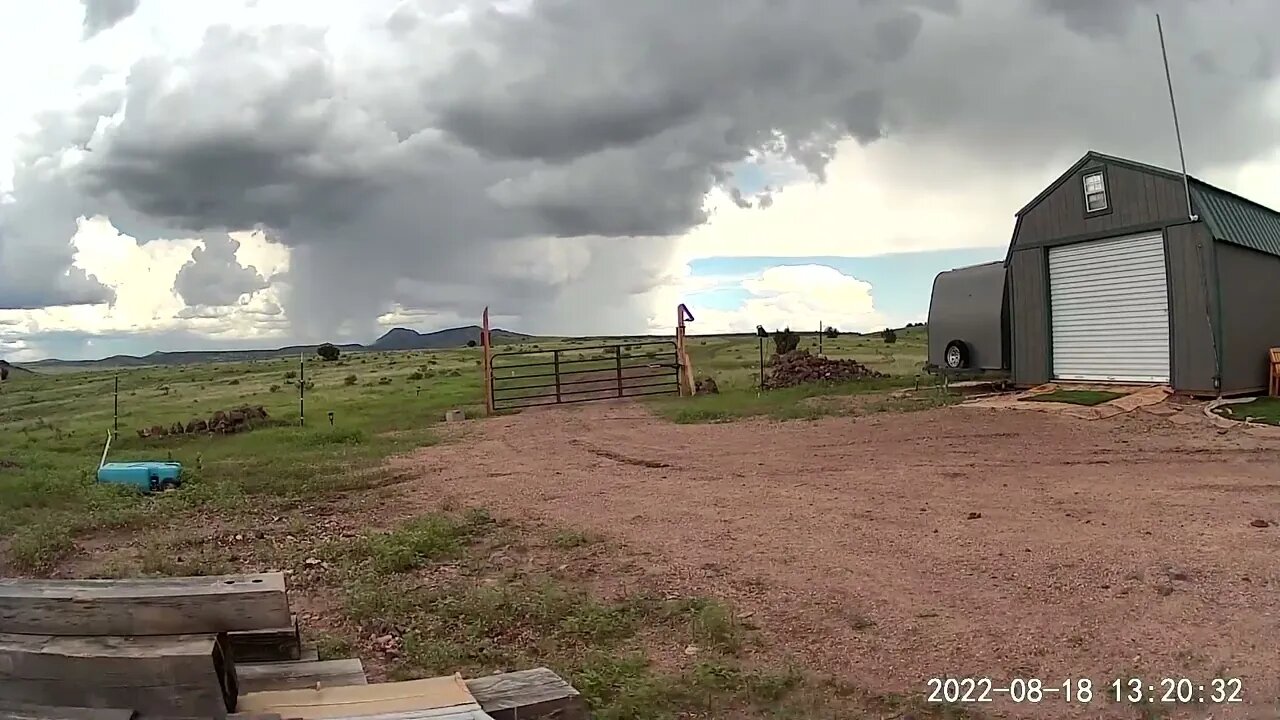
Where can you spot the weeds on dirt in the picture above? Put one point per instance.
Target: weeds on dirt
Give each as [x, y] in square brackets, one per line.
[171, 560]
[431, 585]
[569, 539]
[426, 539]
[921, 400]
[39, 547]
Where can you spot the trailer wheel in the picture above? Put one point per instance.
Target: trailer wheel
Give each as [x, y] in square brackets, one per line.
[957, 355]
[168, 485]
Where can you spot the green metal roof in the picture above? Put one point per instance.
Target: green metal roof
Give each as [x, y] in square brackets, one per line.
[1236, 220]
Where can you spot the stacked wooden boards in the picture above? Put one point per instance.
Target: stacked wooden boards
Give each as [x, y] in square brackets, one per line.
[156, 645]
[536, 694]
[190, 648]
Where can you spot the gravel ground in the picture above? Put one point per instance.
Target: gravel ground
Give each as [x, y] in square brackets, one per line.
[953, 543]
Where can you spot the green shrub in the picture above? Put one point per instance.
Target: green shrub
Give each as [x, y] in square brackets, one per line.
[349, 380]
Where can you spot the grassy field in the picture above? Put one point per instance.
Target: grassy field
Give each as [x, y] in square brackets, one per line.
[251, 501]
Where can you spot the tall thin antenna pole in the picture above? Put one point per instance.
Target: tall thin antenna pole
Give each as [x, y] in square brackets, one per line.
[1177, 130]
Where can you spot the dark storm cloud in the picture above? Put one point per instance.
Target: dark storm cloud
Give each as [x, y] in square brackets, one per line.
[425, 173]
[102, 14]
[248, 141]
[214, 276]
[575, 77]
[39, 219]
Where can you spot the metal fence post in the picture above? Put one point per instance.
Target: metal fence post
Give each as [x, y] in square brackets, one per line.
[555, 355]
[762, 363]
[302, 390]
[618, 357]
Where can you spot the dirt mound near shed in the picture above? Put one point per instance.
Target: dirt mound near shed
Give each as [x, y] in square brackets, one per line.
[799, 367]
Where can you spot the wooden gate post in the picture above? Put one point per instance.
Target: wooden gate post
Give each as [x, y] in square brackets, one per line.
[488, 364]
[685, 371]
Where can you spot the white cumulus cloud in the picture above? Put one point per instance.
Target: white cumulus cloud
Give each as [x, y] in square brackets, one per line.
[797, 296]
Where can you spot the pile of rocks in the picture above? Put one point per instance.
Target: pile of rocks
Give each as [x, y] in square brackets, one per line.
[799, 367]
[222, 422]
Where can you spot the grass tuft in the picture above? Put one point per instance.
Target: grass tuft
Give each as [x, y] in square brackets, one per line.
[426, 539]
[38, 547]
[333, 436]
[570, 539]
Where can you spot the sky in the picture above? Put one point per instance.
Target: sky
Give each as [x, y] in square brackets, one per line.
[255, 173]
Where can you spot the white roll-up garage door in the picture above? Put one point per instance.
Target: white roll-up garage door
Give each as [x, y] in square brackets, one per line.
[1109, 306]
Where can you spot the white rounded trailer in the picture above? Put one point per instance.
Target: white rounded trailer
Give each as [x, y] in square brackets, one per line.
[969, 320]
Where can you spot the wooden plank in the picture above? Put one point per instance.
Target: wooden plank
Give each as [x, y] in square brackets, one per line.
[267, 645]
[187, 675]
[528, 695]
[160, 606]
[380, 699]
[299, 675]
[26, 711]
[471, 711]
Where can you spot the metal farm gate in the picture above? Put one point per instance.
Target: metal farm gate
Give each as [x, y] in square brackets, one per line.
[530, 378]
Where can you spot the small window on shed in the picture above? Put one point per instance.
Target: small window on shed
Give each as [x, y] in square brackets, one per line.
[1095, 192]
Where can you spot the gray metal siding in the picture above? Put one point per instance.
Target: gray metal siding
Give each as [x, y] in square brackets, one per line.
[1250, 297]
[1135, 199]
[1029, 316]
[967, 305]
[1192, 307]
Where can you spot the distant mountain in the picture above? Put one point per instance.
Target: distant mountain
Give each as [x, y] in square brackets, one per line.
[396, 339]
[406, 339]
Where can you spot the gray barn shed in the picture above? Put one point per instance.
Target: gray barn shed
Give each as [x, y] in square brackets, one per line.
[1111, 281]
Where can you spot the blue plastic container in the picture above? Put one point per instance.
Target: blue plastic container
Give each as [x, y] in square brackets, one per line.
[144, 476]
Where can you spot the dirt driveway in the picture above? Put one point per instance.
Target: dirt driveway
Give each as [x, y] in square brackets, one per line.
[952, 543]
